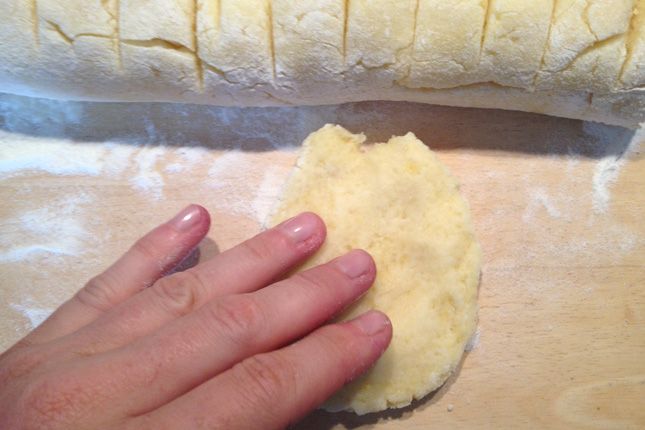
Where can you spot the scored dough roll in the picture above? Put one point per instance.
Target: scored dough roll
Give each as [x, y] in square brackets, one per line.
[574, 58]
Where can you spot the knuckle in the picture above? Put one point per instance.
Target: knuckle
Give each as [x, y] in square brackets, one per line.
[336, 340]
[178, 293]
[267, 378]
[239, 318]
[98, 293]
[45, 403]
[265, 246]
[315, 280]
[146, 247]
[16, 349]
[17, 363]
[342, 346]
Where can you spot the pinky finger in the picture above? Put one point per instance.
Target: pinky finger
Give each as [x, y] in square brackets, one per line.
[272, 390]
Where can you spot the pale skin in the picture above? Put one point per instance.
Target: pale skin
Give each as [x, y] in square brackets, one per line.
[230, 343]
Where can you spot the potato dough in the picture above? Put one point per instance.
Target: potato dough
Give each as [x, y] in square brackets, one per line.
[397, 201]
[573, 58]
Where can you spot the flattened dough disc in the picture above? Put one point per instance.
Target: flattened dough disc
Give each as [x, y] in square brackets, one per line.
[398, 202]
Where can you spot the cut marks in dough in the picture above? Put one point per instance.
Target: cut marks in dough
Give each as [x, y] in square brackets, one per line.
[397, 201]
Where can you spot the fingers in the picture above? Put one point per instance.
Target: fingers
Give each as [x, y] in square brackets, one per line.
[247, 267]
[148, 260]
[262, 259]
[232, 328]
[272, 390]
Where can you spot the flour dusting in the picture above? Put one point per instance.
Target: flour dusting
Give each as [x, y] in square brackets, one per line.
[608, 168]
[605, 174]
[267, 195]
[27, 252]
[117, 158]
[22, 154]
[55, 229]
[34, 314]
[230, 164]
[175, 168]
[613, 241]
[474, 340]
[233, 176]
[148, 179]
[539, 198]
[189, 158]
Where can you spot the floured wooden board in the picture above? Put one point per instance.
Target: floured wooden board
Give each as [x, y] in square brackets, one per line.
[558, 206]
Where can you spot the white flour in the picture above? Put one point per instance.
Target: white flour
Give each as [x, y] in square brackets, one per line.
[474, 340]
[21, 154]
[608, 168]
[605, 174]
[188, 158]
[539, 198]
[116, 159]
[55, 229]
[34, 314]
[148, 179]
[230, 165]
[230, 175]
[20, 253]
[268, 194]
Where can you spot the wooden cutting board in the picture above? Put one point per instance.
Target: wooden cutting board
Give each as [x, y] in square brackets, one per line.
[558, 206]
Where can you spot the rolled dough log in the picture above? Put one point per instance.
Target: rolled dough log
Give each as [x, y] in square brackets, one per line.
[397, 201]
[574, 58]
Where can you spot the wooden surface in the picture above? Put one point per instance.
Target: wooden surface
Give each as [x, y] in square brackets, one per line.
[562, 299]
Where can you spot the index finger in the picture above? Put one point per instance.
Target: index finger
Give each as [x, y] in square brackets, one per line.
[145, 262]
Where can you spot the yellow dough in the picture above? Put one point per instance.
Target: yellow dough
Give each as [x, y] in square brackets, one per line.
[397, 201]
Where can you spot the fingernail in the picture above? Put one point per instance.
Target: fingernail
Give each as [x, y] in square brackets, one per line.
[371, 323]
[187, 218]
[300, 228]
[355, 263]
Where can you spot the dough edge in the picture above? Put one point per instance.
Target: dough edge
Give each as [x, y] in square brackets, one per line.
[361, 400]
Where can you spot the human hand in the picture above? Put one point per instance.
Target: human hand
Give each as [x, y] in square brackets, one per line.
[220, 345]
